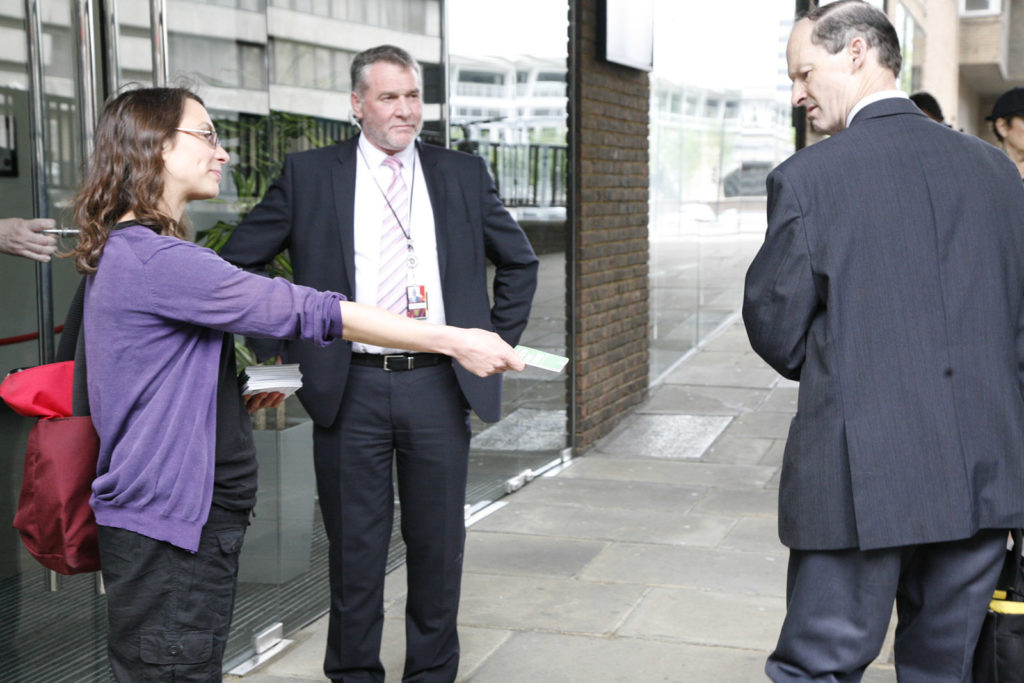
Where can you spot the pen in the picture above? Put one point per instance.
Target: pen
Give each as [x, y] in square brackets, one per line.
[61, 232]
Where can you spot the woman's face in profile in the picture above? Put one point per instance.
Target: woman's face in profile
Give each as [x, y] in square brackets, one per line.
[193, 162]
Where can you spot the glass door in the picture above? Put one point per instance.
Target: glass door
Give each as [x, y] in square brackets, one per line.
[41, 90]
[508, 104]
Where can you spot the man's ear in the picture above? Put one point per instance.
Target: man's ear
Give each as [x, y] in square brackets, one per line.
[1002, 127]
[357, 106]
[857, 51]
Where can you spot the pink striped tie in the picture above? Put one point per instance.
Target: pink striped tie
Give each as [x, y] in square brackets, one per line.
[393, 244]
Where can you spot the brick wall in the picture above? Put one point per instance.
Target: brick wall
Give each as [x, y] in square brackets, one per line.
[608, 187]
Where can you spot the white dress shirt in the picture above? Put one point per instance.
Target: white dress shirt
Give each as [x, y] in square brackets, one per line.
[372, 181]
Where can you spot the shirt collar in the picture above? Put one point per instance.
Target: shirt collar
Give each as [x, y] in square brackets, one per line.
[375, 157]
[871, 99]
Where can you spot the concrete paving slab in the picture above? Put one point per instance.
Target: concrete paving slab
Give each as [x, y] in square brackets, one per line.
[758, 378]
[546, 604]
[773, 458]
[614, 524]
[629, 495]
[554, 658]
[689, 400]
[762, 424]
[726, 360]
[475, 644]
[781, 400]
[752, 534]
[733, 338]
[303, 660]
[880, 674]
[696, 568]
[667, 436]
[525, 429]
[257, 677]
[707, 618]
[684, 473]
[527, 555]
[735, 502]
[738, 450]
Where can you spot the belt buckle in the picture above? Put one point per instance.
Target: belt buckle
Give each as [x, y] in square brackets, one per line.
[401, 356]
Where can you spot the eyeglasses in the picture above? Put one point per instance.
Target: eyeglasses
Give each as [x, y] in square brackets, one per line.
[209, 135]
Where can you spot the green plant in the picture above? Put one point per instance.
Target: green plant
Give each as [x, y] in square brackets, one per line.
[258, 145]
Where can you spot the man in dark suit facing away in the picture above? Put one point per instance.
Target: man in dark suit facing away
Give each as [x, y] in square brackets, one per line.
[409, 227]
[891, 285]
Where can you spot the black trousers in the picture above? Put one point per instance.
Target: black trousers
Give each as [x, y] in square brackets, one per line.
[416, 423]
[839, 604]
[169, 610]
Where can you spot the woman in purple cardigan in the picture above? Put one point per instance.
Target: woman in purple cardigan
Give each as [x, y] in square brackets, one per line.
[176, 479]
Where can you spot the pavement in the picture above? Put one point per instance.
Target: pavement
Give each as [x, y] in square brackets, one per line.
[653, 557]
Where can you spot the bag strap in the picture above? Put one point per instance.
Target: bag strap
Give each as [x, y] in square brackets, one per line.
[72, 347]
[72, 325]
[79, 384]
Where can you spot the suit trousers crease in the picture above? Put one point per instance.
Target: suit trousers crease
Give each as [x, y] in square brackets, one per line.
[839, 605]
[414, 424]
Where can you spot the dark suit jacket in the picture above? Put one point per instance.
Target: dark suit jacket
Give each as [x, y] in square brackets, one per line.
[890, 285]
[309, 212]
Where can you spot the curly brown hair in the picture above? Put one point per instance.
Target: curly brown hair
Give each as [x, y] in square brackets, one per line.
[126, 170]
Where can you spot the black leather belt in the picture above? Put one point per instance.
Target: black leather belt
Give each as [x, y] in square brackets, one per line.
[399, 361]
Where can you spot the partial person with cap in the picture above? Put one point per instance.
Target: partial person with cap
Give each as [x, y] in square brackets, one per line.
[1007, 119]
[927, 103]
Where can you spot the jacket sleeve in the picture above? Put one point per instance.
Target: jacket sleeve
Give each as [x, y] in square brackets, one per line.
[259, 238]
[515, 275]
[192, 284]
[780, 299]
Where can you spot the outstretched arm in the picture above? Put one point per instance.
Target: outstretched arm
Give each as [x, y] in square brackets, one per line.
[482, 353]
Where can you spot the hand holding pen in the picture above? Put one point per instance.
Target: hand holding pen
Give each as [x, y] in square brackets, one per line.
[32, 238]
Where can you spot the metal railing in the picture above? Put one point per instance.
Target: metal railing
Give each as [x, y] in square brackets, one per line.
[526, 174]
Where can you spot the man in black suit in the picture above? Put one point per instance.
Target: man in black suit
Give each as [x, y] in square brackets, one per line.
[414, 237]
[890, 284]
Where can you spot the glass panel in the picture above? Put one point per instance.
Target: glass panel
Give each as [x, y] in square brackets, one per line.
[135, 41]
[219, 47]
[274, 87]
[35, 623]
[986, 6]
[717, 127]
[912, 39]
[511, 110]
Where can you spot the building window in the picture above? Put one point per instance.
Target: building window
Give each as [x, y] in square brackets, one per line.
[710, 109]
[912, 40]
[480, 83]
[409, 16]
[220, 63]
[310, 66]
[980, 8]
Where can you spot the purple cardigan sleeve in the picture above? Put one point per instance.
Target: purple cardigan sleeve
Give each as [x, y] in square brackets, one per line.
[193, 284]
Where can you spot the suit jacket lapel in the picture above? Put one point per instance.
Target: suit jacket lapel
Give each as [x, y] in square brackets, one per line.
[343, 181]
[437, 189]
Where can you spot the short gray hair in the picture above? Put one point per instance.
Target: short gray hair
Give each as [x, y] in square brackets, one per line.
[836, 24]
[382, 53]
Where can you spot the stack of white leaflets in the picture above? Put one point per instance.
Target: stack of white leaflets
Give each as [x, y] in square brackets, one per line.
[280, 378]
